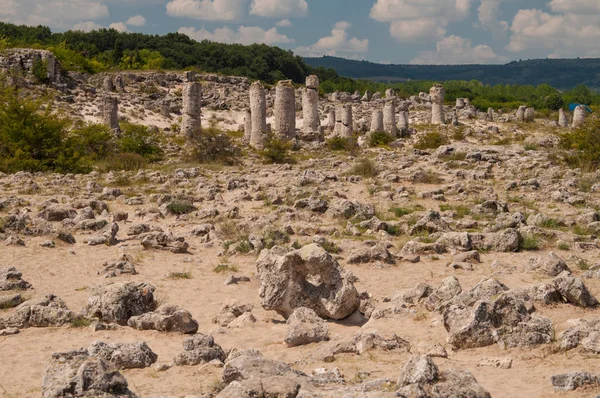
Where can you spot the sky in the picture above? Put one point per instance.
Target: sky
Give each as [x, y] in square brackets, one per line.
[383, 31]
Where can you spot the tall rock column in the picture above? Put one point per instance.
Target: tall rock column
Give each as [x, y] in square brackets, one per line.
[310, 109]
[285, 110]
[343, 121]
[377, 121]
[437, 93]
[247, 127]
[579, 116]
[110, 114]
[521, 113]
[331, 120]
[563, 120]
[192, 107]
[403, 124]
[389, 116]
[258, 112]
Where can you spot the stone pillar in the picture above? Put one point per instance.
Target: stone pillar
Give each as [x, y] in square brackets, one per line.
[579, 115]
[367, 96]
[192, 107]
[107, 84]
[389, 93]
[389, 116]
[521, 113]
[460, 103]
[310, 107]
[331, 120]
[529, 115]
[247, 128]
[563, 120]
[377, 121]
[403, 123]
[110, 114]
[120, 82]
[490, 114]
[285, 110]
[343, 121]
[437, 94]
[258, 111]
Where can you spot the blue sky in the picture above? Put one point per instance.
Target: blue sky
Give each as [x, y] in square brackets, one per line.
[388, 31]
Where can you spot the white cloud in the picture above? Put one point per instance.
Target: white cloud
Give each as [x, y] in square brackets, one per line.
[118, 26]
[87, 26]
[58, 14]
[244, 35]
[458, 50]
[284, 23]
[279, 8]
[562, 35]
[488, 13]
[575, 6]
[338, 42]
[136, 20]
[418, 20]
[207, 10]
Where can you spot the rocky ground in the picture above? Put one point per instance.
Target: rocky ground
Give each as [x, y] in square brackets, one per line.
[469, 270]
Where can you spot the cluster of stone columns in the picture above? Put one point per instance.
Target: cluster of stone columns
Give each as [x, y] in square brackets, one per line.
[191, 123]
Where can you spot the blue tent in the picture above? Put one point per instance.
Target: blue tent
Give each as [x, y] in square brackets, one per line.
[573, 106]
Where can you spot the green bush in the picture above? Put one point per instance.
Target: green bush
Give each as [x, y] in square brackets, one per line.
[136, 138]
[364, 167]
[122, 162]
[379, 138]
[554, 102]
[276, 150]
[212, 146]
[432, 140]
[585, 142]
[336, 143]
[180, 207]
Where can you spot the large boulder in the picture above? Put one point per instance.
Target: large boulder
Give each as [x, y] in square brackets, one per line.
[47, 311]
[58, 213]
[309, 277]
[199, 349]
[166, 318]
[551, 265]
[124, 355]
[116, 303]
[305, 327]
[585, 334]
[77, 374]
[573, 290]
[250, 364]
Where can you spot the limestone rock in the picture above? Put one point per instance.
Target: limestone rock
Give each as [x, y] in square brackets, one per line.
[166, 318]
[305, 327]
[124, 355]
[199, 349]
[120, 301]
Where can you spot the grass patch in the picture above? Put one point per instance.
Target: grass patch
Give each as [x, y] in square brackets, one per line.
[432, 140]
[455, 156]
[364, 167]
[331, 247]
[180, 275]
[550, 223]
[459, 211]
[402, 211]
[80, 322]
[582, 264]
[224, 267]
[380, 139]
[530, 147]
[531, 243]
[563, 246]
[180, 207]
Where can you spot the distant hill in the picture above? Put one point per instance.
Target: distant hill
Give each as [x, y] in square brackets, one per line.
[559, 73]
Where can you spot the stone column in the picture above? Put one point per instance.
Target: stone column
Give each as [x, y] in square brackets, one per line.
[389, 116]
[437, 94]
[285, 110]
[460, 103]
[579, 115]
[192, 107]
[521, 113]
[247, 127]
[343, 121]
[403, 124]
[529, 115]
[110, 114]
[107, 84]
[389, 93]
[120, 82]
[563, 120]
[377, 121]
[490, 114]
[310, 108]
[331, 120]
[258, 111]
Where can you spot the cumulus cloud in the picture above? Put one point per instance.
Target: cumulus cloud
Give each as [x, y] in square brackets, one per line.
[488, 13]
[419, 20]
[136, 20]
[87, 26]
[337, 43]
[279, 8]
[458, 50]
[58, 14]
[207, 10]
[575, 6]
[284, 23]
[118, 26]
[562, 35]
[243, 35]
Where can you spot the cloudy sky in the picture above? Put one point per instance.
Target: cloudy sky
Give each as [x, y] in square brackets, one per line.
[388, 31]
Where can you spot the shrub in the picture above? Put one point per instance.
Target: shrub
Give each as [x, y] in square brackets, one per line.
[212, 146]
[180, 275]
[585, 141]
[379, 138]
[123, 162]
[431, 140]
[136, 138]
[180, 207]
[364, 167]
[276, 150]
[531, 242]
[336, 143]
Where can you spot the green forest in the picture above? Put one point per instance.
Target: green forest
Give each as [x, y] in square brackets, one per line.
[107, 50]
